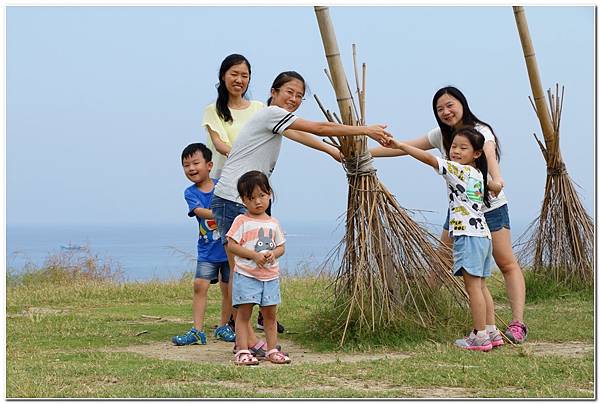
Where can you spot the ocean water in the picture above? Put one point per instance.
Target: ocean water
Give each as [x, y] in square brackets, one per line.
[163, 252]
[145, 252]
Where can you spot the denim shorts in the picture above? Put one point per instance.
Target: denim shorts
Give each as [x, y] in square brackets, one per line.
[225, 212]
[248, 290]
[473, 254]
[210, 271]
[496, 219]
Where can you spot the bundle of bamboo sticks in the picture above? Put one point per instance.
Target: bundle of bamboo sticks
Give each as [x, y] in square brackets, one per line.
[391, 269]
[559, 242]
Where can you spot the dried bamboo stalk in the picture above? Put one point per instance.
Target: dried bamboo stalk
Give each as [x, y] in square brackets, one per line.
[391, 268]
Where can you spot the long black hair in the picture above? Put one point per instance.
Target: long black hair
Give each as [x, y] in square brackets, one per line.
[468, 118]
[223, 95]
[283, 78]
[477, 140]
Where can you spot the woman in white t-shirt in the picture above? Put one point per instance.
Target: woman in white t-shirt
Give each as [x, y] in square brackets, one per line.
[259, 142]
[451, 110]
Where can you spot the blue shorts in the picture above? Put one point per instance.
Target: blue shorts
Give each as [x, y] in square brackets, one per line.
[472, 254]
[496, 219]
[248, 290]
[225, 212]
[210, 271]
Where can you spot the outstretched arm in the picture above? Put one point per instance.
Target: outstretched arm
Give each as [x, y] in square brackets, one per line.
[375, 132]
[311, 141]
[421, 143]
[415, 152]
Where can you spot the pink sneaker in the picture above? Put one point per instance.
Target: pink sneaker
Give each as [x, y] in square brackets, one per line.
[516, 332]
[474, 343]
[496, 338]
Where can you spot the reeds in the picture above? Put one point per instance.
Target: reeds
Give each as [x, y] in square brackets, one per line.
[559, 243]
[391, 268]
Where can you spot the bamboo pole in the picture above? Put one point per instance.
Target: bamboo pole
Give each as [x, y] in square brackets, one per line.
[534, 79]
[332, 53]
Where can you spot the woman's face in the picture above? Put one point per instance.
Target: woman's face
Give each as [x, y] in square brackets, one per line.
[449, 110]
[236, 79]
[289, 96]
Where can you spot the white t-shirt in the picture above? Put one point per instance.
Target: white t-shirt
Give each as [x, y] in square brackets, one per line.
[465, 194]
[256, 148]
[435, 138]
[228, 131]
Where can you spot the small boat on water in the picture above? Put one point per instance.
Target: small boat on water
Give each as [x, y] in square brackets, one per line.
[73, 247]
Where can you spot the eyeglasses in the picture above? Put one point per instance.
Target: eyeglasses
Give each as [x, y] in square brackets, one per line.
[293, 94]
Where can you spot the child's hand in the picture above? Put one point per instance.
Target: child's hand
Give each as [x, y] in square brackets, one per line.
[378, 133]
[260, 259]
[395, 144]
[270, 257]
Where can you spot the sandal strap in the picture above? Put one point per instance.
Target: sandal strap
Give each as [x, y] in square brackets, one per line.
[242, 351]
[259, 344]
[272, 351]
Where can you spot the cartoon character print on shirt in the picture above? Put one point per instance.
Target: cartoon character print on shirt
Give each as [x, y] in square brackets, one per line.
[473, 193]
[264, 243]
[208, 230]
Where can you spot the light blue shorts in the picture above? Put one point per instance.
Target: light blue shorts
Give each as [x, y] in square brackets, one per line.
[473, 254]
[210, 271]
[248, 290]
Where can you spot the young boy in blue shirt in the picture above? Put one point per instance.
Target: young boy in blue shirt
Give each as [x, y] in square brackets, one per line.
[196, 159]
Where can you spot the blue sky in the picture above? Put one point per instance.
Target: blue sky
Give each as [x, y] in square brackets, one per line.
[100, 101]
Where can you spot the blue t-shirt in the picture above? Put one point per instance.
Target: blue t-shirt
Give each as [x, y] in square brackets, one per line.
[210, 247]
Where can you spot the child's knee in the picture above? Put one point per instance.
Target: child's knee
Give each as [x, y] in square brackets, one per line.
[201, 286]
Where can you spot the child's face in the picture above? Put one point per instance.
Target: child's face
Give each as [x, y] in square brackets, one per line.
[461, 151]
[258, 203]
[196, 169]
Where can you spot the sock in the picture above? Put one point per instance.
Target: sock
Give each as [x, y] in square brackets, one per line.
[480, 334]
[490, 328]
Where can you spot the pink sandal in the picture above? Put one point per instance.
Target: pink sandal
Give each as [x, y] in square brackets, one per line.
[244, 357]
[277, 357]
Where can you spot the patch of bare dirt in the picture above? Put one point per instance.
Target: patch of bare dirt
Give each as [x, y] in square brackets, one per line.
[221, 352]
[38, 311]
[571, 349]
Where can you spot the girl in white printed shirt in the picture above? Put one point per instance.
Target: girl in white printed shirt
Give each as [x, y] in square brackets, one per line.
[256, 241]
[472, 247]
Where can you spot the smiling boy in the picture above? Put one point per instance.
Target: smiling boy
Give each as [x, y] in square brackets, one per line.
[196, 159]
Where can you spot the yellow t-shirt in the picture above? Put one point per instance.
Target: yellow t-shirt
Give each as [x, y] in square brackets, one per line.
[227, 131]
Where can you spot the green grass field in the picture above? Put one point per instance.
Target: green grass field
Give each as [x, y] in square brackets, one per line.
[72, 336]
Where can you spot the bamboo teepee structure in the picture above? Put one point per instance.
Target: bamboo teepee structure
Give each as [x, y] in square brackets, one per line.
[559, 243]
[391, 267]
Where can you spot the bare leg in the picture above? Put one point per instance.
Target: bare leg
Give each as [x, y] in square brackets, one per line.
[270, 323]
[225, 301]
[230, 284]
[490, 317]
[241, 325]
[199, 302]
[511, 271]
[476, 300]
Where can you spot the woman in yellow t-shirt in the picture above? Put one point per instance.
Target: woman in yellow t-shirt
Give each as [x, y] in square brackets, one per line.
[225, 117]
